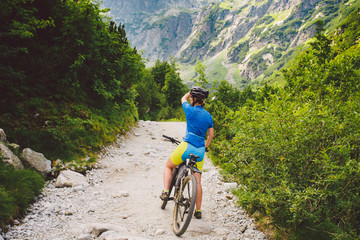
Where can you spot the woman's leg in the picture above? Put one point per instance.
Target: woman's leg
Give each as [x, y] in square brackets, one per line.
[199, 190]
[169, 166]
[173, 161]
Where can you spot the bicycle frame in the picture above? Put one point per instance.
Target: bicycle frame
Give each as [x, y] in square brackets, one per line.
[184, 170]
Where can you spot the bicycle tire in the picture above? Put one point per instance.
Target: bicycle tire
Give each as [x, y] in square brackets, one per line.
[172, 182]
[184, 205]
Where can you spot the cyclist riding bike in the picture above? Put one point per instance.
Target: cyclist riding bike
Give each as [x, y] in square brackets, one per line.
[199, 121]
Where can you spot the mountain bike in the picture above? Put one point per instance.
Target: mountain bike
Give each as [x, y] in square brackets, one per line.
[184, 188]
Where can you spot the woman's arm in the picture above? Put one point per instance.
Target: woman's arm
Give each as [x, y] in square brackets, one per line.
[210, 137]
[185, 98]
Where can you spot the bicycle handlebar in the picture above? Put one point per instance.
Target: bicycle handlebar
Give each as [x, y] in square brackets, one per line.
[173, 140]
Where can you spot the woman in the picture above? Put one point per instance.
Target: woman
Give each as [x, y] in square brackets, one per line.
[199, 121]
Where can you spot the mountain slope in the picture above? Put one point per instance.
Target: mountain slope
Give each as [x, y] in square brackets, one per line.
[240, 41]
[158, 27]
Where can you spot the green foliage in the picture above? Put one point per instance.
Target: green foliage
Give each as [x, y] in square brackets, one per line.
[69, 76]
[159, 72]
[149, 97]
[257, 30]
[160, 91]
[267, 19]
[173, 89]
[17, 190]
[232, 98]
[295, 151]
[349, 37]
[240, 52]
[201, 80]
[7, 206]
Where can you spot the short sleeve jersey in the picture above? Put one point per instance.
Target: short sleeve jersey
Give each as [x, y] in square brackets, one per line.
[198, 121]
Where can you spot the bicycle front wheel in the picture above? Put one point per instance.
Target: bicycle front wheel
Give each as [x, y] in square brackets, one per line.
[185, 205]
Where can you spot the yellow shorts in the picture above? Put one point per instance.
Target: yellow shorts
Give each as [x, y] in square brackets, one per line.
[181, 153]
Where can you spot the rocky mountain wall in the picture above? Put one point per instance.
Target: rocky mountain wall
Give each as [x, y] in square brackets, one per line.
[157, 27]
[247, 39]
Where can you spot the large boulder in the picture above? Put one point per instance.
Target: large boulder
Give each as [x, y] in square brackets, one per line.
[69, 178]
[36, 160]
[2, 135]
[10, 157]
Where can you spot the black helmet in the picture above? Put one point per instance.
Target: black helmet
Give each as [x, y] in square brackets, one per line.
[199, 92]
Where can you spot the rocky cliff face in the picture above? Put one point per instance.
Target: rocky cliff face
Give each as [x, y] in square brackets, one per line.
[238, 40]
[157, 27]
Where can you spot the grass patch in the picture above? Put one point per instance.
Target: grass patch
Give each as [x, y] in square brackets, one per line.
[281, 16]
[226, 5]
[215, 69]
[18, 189]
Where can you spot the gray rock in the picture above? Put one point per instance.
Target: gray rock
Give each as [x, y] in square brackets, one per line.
[261, 236]
[36, 160]
[159, 232]
[85, 236]
[243, 228]
[2, 137]
[113, 235]
[121, 194]
[99, 228]
[79, 188]
[10, 157]
[69, 178]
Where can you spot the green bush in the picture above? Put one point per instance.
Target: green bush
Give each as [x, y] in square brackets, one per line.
[7, 206]
[296, 153]
[18, 189]
[82, 94]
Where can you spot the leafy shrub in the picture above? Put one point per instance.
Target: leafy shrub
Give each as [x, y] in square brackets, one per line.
[296, 153]
[160, 91]
[82, 94]
[17, 190]
[7, 206]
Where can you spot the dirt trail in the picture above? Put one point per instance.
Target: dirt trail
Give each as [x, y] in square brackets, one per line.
[121, 198]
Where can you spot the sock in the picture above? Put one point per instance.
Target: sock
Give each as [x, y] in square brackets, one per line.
[197, 210]
[166, 191]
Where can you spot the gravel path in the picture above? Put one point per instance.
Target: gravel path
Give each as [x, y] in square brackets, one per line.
[121, 198]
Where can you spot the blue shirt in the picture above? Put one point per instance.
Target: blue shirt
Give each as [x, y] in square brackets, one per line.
[198, 122]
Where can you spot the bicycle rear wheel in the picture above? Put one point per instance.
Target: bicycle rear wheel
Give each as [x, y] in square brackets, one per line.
[172, 183]
[185, 205]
